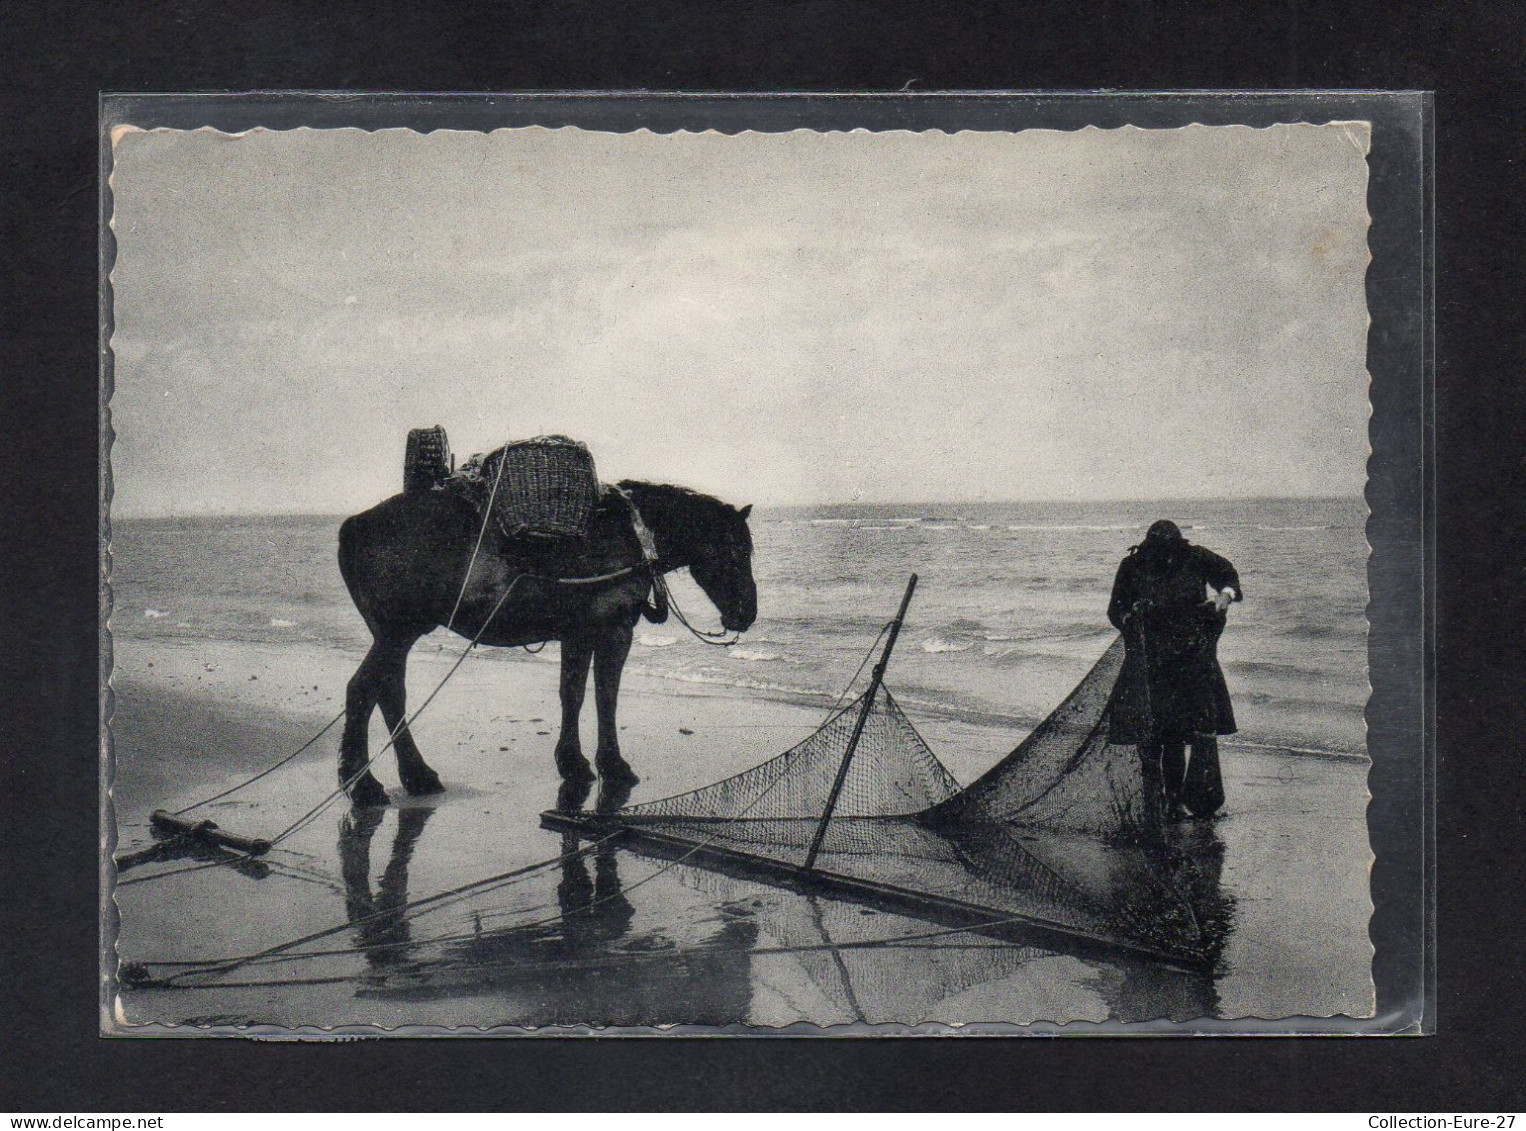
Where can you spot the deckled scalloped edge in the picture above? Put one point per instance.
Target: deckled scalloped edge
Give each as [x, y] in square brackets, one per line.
[114, 1024]
[121, 130]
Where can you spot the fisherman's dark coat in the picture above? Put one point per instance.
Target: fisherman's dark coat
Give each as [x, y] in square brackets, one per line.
[1171, 686]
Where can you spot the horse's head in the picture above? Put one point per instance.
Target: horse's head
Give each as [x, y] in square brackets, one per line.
[721, 563]
[708, 536]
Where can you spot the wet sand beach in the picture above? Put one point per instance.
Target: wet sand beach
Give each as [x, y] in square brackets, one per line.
[610, 937]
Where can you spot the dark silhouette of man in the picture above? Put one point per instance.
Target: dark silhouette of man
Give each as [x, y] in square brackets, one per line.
[1170, 601]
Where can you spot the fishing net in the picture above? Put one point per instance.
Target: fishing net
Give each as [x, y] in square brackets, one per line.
[1066, 776]
[1067, 820]
[777, 807]
[1056, 836]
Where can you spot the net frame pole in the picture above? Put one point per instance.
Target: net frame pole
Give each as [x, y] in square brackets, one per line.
[875, 679]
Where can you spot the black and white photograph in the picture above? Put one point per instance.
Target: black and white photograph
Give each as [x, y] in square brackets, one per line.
[566, 581]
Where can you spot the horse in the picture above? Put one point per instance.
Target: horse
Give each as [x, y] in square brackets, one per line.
[420, 560]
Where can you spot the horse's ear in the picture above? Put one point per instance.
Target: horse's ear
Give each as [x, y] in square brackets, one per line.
[745, 511]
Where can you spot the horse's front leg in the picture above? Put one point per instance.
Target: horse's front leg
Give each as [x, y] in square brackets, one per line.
[360, 700]
[416, 775]
[609, 662]
[577, 653]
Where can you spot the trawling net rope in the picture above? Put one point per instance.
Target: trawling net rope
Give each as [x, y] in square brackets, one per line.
[1057, 834]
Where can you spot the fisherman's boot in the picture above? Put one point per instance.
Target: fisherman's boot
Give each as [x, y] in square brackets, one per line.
[1203, 788]
[1173, 771]
[1154, 793]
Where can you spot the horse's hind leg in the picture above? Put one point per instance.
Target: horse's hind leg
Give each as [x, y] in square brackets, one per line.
[359, 701]
[416, 775]
[570, 763]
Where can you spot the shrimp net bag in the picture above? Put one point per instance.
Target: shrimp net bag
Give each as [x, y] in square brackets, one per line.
[1056, 836]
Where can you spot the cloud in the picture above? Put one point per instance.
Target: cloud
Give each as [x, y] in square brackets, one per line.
[798, 317]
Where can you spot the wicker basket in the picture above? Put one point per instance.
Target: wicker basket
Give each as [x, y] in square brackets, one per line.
[548, 489]
[426, 461]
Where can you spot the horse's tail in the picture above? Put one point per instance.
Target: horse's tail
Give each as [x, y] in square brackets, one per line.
[348, 533]
[351, 548]
[356, 536]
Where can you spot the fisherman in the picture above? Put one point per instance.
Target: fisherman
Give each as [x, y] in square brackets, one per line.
[1170, 601]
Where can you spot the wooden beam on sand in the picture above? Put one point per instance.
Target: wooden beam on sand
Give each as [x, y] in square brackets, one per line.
[209, 832]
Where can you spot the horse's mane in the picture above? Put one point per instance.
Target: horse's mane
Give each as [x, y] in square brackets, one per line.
[679, 507]
[672, 494]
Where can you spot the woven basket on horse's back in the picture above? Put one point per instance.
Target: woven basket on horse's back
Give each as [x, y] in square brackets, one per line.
[427, 460]
[548, 488]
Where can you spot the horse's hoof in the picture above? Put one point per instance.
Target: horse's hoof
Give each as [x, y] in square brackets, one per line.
[576, 773]
[368, 793]
[617, 774]
[613, 795]
[571, 795]
[421, 785]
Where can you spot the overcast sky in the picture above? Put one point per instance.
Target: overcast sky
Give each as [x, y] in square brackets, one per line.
[775, 318]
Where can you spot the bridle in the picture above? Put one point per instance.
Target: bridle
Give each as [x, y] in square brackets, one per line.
[662, 598]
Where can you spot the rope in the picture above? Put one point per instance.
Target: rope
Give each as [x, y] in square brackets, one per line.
[487, 516]
[598, 579]
[403, 724]
[313, 813]
[862, 664]
[234, 789]
[716, 639]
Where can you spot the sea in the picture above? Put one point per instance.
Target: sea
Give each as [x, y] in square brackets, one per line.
[1009, 614]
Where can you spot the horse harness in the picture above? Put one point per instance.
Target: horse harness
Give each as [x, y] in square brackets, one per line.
[656, 607]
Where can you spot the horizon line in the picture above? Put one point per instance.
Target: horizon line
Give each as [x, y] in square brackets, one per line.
[1100, 501]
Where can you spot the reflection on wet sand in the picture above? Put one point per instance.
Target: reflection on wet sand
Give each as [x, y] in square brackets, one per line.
[1147, 991]
[830, 961]
[381, 926]
[587, 964]
[762, 954]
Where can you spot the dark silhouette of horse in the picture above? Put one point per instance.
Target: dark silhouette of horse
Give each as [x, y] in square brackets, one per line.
[406, 561]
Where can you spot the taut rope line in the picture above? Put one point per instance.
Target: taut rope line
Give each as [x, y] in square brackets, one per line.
[314, 812]
[270, 770]
[487, 516]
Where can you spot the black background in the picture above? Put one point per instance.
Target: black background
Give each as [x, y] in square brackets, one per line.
[55, 59]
